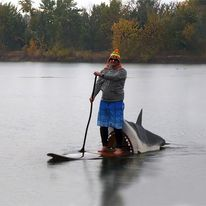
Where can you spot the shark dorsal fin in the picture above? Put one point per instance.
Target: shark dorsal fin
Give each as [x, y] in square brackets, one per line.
[139, 119]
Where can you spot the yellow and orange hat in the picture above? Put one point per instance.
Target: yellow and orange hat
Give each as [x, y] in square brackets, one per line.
[115, 54]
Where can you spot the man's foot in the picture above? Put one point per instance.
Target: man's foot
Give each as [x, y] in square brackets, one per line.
[104, 149]
[119, 152]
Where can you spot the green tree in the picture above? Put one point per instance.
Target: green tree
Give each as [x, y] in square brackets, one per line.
[150, 41]
[67, 19]
[85, 34]
[102, 18]
[26, 6]
[43, 23]
[201, 26]
[12, 27]
[185, 15]
[139, 10]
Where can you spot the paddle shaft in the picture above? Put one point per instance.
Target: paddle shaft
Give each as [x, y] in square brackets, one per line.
[90, 115]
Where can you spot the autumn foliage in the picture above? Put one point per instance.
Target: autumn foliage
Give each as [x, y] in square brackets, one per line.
[141, 29]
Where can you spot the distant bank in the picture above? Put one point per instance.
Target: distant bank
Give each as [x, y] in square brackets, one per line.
[98, 57]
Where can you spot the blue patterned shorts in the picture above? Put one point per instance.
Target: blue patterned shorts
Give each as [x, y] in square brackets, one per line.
[111, 114]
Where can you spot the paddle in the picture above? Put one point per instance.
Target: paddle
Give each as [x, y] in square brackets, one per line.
[90, 115]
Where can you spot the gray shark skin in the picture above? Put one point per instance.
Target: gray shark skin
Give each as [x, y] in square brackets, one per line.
[142, 140]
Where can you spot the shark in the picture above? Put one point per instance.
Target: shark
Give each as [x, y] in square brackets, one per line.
[137, 139]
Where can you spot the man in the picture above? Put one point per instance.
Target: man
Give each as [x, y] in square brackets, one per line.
[111, 82]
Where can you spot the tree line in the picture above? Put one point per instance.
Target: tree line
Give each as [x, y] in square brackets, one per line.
[141, 29]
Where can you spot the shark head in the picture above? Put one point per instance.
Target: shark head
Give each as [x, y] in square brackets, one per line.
[142, 140]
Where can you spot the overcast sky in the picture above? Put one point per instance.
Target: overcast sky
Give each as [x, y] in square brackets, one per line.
[81, 3]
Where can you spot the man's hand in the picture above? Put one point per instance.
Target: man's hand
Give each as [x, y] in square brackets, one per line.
[99, 74]
[91, 99]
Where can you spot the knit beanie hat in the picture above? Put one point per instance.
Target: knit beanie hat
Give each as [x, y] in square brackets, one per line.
[115, 54]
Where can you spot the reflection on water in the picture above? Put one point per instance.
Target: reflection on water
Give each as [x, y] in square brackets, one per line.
[120, 173]
[115, 174]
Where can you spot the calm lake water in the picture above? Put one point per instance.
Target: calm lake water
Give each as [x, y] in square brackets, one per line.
[44, 107]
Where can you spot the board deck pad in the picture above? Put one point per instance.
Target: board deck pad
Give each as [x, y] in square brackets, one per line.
[88, 155]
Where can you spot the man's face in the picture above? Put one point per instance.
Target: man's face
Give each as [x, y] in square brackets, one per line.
[113, 61]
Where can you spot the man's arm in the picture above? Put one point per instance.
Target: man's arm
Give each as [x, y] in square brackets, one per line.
[121, 74]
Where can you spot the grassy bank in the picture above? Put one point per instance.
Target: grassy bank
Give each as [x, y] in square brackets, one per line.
[54, 56]
[88, 56]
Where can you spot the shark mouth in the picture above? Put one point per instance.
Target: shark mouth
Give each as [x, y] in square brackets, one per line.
[126, 144]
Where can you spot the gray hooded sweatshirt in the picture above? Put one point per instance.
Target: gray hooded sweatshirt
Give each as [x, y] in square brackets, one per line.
[111, 83]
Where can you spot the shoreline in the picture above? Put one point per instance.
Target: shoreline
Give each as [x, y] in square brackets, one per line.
[99, 57]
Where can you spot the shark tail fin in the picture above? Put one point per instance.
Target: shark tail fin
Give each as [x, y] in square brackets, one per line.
[139, 119]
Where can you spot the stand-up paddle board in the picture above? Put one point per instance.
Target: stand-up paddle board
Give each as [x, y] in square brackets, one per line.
[87, 155]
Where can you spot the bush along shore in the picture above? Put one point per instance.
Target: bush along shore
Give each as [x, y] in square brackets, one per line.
[96, 57]
[58, 56]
